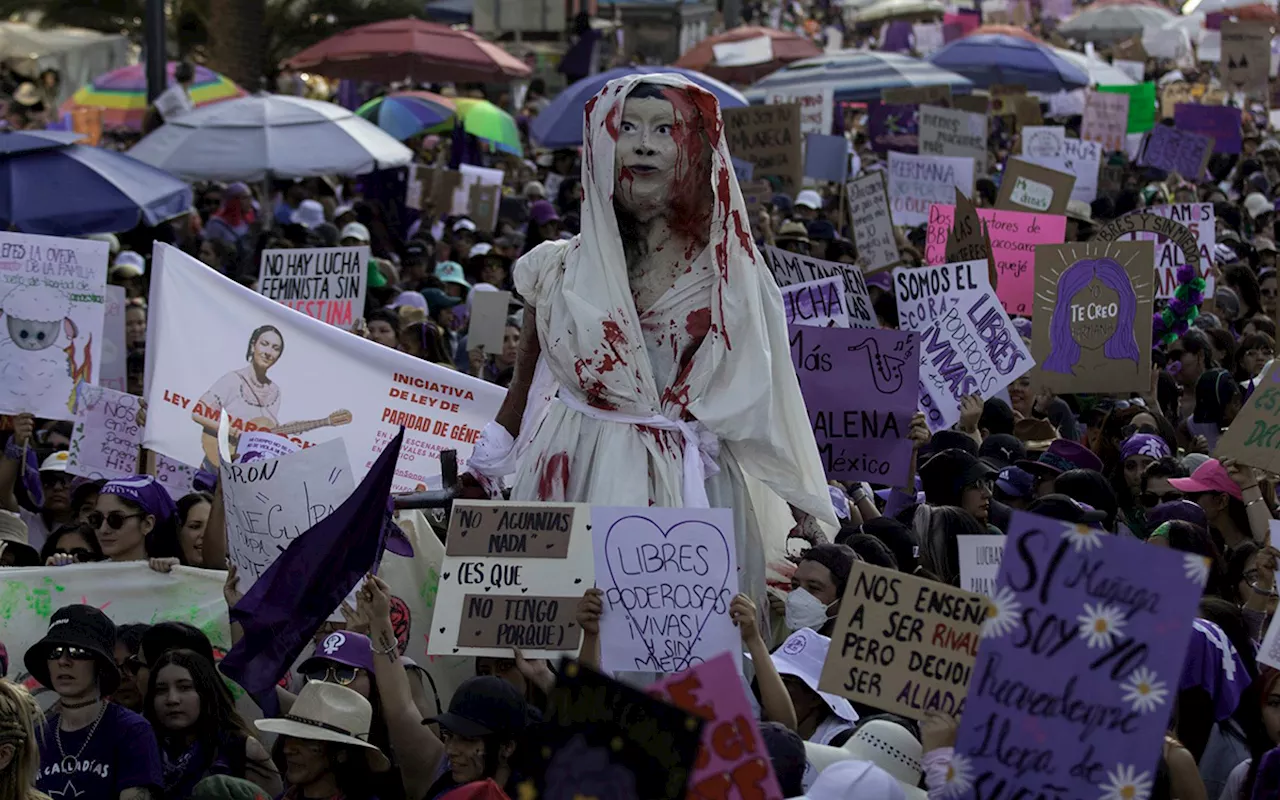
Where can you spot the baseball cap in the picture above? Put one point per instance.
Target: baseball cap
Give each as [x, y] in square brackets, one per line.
[483, 706]
[464, 224]
[1257, 204]
[534, 189]
[809, 199]
[1210, 476]
[357, 231]
[1015, 482]
[341, 647]
[1000, 450]
[451, 272]
[128, 264]
[1185, 510]
[1061, 507]
[900, 540]
[55, 462]
[947, 474]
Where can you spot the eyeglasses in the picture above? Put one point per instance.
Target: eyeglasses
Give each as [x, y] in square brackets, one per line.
[115, 520]
[340, 674]
[1151, 499]
[66, 651]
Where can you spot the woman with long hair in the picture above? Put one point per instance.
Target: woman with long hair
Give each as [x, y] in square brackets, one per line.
[193, 516]
[199, 731]
[1138, 452]
[18, 715]
[1064, 350]
[136, 520]
[1255, 350]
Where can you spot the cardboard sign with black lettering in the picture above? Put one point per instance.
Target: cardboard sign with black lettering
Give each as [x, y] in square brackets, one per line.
[1254, 436]
[512, 576]
[1031, 187]
[903, 644]
[768, 137]
[1246, 55]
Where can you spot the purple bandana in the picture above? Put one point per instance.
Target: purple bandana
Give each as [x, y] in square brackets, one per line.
[145, 492]
[1144, 444]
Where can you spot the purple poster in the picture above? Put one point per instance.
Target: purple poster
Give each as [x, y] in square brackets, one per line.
[893, 126]
[861, 425]
[1177, 151]
[1220, 122]
[1079, 665]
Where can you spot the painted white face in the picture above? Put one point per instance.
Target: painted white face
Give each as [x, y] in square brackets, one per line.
[645, 156]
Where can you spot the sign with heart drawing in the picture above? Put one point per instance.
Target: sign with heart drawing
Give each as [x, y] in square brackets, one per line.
[668, 576]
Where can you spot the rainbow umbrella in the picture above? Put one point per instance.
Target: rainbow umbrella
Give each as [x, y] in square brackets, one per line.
[122, 94]
[484, 120]
[404, 114]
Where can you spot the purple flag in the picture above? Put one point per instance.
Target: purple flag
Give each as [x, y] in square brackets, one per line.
[308, 581]
[893, 126]
[1220, 122]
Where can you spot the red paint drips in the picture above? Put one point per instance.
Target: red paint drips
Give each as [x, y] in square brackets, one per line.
[698, 323]
[611, 121]
[556, 467]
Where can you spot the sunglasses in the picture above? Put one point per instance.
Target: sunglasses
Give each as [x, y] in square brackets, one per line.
[73, 653]
[115, 520]
[81, 554]
[1151, 499]
[334, 673]
[54, 480]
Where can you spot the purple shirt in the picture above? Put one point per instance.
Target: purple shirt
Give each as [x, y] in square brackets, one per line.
[121, 754]
[1212, 664]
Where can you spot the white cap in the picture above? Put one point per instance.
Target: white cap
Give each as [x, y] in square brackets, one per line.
[355, 230]
[1257, 204]
[464, 224]
[309, 214]
[855, 780]
[55, 462]
[480, 249]
[128, 264]
[342, 209]
[802, 655]
[809, 199]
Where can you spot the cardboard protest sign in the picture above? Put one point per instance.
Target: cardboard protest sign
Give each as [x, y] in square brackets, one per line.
[791, 268]
[52, 300]
[1078, 158]
[472, 176]
[432, 187]
[106, 437]
[289, 368]
[1253, 439]
[972, 348]
[488, 323]
[1246, 55]
[768, 137]
[917, 95]
[918, 182]
[732, 760]
[953, 132]
[1220, 123]
[115, 354]
[903, 644]
[1106, 119]
[600, 738]
[512, 576]
[926, 293]
[826, 158]
[1092, 326]
[818, 304]
[979, 558]
[871, 221]
[861, 427]
[1013, 236]
[1030, 187]
[1055, 638]
[893, 127]
[816, 106]
[973, 103]
[1142, 104]
[178, 479]
[482, 205]
[325, 283]
[1042, 141]
[968, 238]
[1173, 150]
[668, 576]
[1198, 220]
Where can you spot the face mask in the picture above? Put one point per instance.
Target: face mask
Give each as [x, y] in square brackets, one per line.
[804, 610]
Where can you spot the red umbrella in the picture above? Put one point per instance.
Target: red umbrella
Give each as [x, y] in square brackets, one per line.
[787, 47]
[1255, 13]
[409, 49]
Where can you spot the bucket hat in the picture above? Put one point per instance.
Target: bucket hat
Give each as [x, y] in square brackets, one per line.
[79, 626]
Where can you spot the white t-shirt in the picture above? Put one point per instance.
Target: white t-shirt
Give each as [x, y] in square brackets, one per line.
[174, 102]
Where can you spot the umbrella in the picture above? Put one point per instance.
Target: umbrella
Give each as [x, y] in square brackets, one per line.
[484, 120]
[451, 12]
[67, 189]
[857, 76]
[262, 135]
[405, 113]
[1007, 30]
[1253, 13]
[1108, 23]
[786, 47]
[1100, 72]
[885, 10]
[991, 59]
[560, 123]
[409, 49]
[122, 94]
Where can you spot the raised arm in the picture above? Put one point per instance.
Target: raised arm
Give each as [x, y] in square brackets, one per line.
[11, 467]
[512, 410]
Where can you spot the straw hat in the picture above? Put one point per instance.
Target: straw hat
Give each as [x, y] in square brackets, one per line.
[26, 95]
[328, 712]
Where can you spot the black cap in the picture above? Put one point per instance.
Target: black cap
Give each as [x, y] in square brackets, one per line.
[946, 475]
[1001, 450]
[786, 751]
[996, 417]
[77, 626]
[1061, 507]
[173, 635]
[900, 540]
[953, 440]
[482, 706]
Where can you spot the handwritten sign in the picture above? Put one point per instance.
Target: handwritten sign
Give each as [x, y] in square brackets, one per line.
[893, 127]
[1220, 123]
[1199, 220]
[790, 268]
[861, 426]
[872, 222]
[1042, 141]
[106, 437]
[325, 283]
[1031, 187]
[668, 576]
[1074, 157]
[903, 644]
[1173, 150]
[512, 576]
[1055, 636]
[817, 107]
[979, 558]
[733, 761]
[178, 479]
[954, 132]
[1106, 119]
[819, 303]
[1246, 55]
[768, 137]
[1253, 437]
[926, 293]
[918, 182]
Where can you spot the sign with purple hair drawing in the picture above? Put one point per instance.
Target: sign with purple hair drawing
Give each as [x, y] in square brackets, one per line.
[1093, 316]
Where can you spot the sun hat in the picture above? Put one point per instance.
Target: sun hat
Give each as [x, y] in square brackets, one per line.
[1080, 211]
[13, 537]
[1257, 204]
[309, 214]
[348, 648]
[145, 492]
[451, 272]
[357, 231]
[328, 712]
[889, 745]
[792, 232]
[1062, 455]
[802, 655]
[542, 212]
[809, 199]
[55, 462]
[79, 626]
[855, 780]
[483, 706]
[952, 440]
[1210, 476]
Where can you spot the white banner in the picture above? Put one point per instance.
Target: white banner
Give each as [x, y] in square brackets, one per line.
[115, 355]
[52, 301]
[269, 366]
[918, 182]
[327, 283]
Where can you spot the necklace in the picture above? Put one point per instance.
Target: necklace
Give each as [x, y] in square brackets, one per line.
[70, 763]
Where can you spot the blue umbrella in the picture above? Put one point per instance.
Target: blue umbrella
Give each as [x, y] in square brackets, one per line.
[12, 142]
[856, 76]
[992, 58]
[560, 124]
[72, 189]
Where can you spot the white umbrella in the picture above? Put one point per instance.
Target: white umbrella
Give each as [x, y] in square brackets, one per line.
[269, 136]
[884, 10]
[1100, 72]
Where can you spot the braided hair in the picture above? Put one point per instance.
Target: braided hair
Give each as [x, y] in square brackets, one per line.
[18, 711]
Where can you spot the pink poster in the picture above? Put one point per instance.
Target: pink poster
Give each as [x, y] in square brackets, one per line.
[733, 761]
[1014, 236]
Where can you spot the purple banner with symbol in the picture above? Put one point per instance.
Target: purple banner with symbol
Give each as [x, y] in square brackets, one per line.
[861, 425]
[1079, 665]
[1220, 122]
[1177, 151]
[893, 126]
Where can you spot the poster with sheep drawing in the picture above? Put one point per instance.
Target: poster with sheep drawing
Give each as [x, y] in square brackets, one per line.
[1092, 324]
[52, 293]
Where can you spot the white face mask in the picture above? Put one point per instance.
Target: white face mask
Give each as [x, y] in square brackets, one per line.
[804, 610]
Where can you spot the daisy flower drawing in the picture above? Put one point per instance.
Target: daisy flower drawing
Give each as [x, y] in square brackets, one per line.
[1126, 783]
[1100, 623]
[1144, 691]
[959, 776]
[1082, 537]
[1196, 568]
[1004, 612]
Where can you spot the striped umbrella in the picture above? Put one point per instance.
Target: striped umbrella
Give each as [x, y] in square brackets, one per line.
[857, 76]
[404, 114]
[484, 120]
[122, 94]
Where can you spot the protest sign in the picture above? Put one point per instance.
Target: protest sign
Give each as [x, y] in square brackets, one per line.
[744, 52]
[1031, 187]
[1173, 150]
[115, 353]
[1246, 55]
[979, 558]
[1142, 104]
[768, 137]
[512, 576]
[1092, 325]
[733, 761]
[1198, 220]
[893, 127]
[668, 576]
[488, 325]
[918, 182]
[953, 132]
[601, 738]
[791, 268]
[178, 479]
[1220, 123]
[968, 238]
[1253, 438]
[482, 205]
[939, 95]
[1075, 157]
[816, 107]
[973, 103]
[1106, 119]
[925, 293]
[972, 348]
[106, 437]
[52, 299]
[1042, 141]
[903, 644]
[742, 169]
[819, 303]
[1059, 640]
[292, 363]
[871, 221]
[325, 283]
[1013, 237]
[431, 187]
[861, 427]
[826, 158]
[471, 175]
